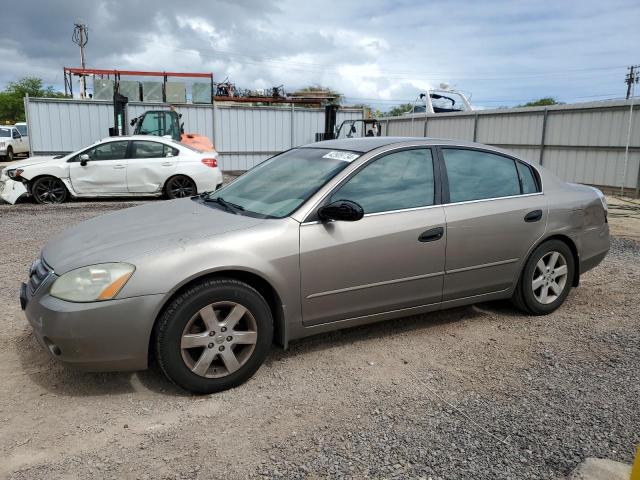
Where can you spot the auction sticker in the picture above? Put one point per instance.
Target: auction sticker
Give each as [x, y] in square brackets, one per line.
[339, 155]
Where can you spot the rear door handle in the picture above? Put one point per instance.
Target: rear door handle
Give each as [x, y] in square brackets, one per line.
[167, 164]
[431, 235]
[118, 167]
[533, 216]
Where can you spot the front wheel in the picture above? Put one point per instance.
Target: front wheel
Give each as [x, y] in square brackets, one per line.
[214, 336]
[546, 279]
[9, 155]
[49, 190]
[180, 186]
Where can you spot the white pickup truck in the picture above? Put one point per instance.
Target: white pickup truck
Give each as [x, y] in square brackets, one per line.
[12, 142]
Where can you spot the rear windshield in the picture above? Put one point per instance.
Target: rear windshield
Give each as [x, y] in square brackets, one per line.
[22, 129]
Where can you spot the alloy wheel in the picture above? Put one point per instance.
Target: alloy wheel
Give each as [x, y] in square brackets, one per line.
[549, 277]
[219, 339]
[49, 190]
[181, 187]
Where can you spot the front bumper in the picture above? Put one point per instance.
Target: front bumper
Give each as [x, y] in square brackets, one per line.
[99, 336]
[10, 190]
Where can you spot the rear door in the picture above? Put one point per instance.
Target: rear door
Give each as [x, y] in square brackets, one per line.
[495, 213]
[384, 261]
[150, 164]
[105, 172]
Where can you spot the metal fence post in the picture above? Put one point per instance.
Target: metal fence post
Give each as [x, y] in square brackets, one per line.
[293, 107]
[475, 127]
[25, 101]
[544, 133]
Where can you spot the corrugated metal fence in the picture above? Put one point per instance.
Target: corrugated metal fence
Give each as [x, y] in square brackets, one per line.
[244, 136]
[581, 142]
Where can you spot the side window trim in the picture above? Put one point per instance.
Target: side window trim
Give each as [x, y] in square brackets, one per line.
[444, 179]
[437, 200]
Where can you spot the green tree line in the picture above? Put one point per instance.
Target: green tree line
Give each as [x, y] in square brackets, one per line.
[12, 97]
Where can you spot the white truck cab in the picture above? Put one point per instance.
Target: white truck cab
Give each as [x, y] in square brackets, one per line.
[12, 142]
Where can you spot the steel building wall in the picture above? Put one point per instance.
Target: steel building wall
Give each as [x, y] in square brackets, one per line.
[450, 127]
[582, 142]
[59, 126]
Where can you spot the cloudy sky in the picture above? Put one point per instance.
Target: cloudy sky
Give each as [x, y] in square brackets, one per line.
[502, 52]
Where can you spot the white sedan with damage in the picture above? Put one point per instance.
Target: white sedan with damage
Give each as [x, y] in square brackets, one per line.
[140, 165]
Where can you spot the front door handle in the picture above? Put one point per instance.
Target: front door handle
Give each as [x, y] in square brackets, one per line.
[431, 235]
[118, 167]
[167, 164]
[533, 216]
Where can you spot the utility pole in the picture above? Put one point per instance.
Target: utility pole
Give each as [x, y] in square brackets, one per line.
[81, 38]
[631, 78]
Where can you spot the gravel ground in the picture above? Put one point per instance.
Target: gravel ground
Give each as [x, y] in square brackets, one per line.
[475, 392]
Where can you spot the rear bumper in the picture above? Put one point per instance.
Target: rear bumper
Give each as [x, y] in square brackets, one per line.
[594, 246]
[98, 336]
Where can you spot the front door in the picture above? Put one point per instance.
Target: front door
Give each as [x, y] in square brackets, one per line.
[391, 259]
[150, 164]
[105, 172]
[494, 215]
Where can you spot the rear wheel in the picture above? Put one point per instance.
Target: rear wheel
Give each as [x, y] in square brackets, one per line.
[546, 279]
[49, 190]
[214, 336]
[180, 186]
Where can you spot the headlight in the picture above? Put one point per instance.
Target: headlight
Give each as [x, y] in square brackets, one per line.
[93, 283]
[2, 144]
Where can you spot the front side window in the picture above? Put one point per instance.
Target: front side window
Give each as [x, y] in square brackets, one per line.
[278, 186]
[108, 151]
[16, 134]
[145, 149]
[476, 175]
[396, 181]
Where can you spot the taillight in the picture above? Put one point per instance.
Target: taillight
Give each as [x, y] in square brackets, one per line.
[210, 162]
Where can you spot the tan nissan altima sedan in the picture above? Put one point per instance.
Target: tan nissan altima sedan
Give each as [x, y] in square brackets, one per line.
[326, 236]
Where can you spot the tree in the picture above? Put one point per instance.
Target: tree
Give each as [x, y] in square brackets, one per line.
[541, 102]
[11, 98]
[400, 110]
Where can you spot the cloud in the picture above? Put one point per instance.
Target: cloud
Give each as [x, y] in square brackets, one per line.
[375, 52]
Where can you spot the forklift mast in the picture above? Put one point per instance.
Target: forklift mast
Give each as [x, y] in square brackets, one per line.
[119, 115]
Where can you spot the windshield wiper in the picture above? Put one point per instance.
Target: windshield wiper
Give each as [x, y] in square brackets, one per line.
[232, 207]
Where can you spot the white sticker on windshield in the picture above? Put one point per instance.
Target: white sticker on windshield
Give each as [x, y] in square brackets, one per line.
[338, 155]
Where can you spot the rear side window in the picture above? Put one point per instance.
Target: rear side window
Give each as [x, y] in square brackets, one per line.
[145, 149]
[394, 182]
[527, 180]
[476, 175]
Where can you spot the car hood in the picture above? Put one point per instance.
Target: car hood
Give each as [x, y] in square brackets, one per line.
[27, 162]
[128, 234]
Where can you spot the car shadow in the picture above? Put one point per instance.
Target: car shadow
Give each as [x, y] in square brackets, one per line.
[62, 380]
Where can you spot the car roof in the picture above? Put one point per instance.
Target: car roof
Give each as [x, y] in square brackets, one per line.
[367, 144]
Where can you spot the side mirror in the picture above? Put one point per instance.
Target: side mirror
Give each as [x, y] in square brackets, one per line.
[84, 159]
[344, 210]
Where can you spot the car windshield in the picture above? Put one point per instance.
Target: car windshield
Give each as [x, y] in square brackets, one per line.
[22, 129]
[278, 186]
[5, 132]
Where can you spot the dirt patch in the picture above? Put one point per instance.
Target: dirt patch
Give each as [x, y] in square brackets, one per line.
[474, 392]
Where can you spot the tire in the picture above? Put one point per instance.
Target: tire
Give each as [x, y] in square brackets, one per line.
[546, 279]
[180, 186]
[9, 157]
[196, 337]
[49, 190]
